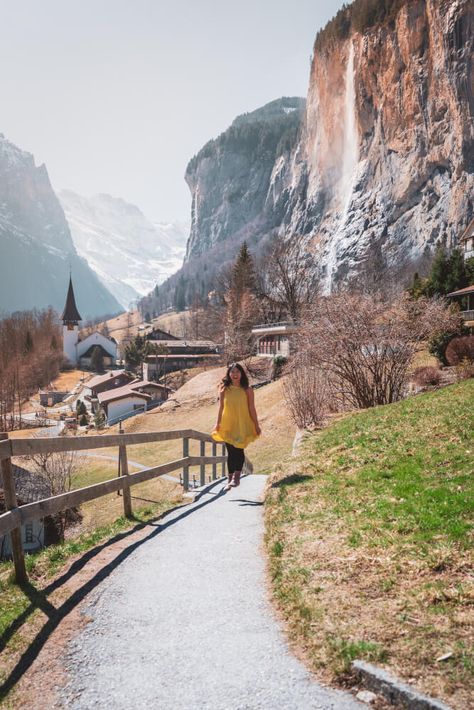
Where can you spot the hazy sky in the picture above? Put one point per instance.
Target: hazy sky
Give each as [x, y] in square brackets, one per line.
[117, 95]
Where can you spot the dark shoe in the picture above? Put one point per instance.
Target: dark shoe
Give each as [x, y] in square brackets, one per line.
[236, 481]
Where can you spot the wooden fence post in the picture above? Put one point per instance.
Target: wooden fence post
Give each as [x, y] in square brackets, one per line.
[10, 504]
[214, 465]
[185, 467]
[223, 463]
[127, 498]
[202, 481]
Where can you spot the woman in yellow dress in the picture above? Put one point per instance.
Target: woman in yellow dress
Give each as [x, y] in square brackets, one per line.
[237, 423]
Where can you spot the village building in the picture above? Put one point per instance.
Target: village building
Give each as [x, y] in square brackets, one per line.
[175, 354]
[110, 380]
[79, 351]
[465, 298]
[133, 398]
[466, 241]
[48, 398]
[29, 487]
[273, 338]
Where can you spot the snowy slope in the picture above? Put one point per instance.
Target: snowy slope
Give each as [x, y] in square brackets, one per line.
[129, 253]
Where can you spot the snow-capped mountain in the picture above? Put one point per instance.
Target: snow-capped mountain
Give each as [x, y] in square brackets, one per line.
[128, 252]
[37, 253]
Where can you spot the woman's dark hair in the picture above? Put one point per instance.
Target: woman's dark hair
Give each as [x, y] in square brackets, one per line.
[244, 380]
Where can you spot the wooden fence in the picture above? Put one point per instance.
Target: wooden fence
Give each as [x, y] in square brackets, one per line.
[15, 516]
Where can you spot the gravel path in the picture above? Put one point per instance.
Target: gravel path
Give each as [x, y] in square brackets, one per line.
[184, 622]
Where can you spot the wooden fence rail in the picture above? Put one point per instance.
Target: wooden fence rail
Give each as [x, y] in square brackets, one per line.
[16, 516]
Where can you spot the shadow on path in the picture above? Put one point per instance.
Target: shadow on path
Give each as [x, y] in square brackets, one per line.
[39, 598]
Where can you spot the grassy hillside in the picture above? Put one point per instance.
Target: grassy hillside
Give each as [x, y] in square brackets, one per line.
[370, 541]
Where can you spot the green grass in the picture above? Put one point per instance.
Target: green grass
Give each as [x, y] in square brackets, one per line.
[42, 567]
[380, 517]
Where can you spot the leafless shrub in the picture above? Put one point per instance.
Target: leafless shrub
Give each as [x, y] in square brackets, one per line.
[460, 349]
[58, 468]
[306, 392]
[465, 369]
[427, 376]
[365, 344]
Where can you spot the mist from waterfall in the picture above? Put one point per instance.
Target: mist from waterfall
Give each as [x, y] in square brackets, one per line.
[350, 158]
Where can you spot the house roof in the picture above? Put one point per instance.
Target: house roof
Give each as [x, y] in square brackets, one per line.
[462, 291]
[182, 356]
[184, 343]
[70, 313]
[120, 393]
[29, 486]
[89, 351]
[100, 379]
[136, 384]
[154, 330]
[468, 232]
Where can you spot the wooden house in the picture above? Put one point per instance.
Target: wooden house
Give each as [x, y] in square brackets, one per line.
[273, 338]
[466, 240]
[108, 381]
[29, 487]
[465, 298]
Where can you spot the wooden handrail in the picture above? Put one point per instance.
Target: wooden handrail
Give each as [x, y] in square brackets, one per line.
[32, 445]
[16, 516]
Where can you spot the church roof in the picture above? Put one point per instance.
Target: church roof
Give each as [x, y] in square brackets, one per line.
[70, 313]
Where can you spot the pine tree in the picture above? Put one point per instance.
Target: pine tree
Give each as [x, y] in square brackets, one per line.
[242, 305]
[97, 360]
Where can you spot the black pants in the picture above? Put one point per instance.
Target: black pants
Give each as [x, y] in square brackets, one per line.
[235, 458]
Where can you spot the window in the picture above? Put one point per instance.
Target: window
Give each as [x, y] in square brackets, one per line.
[29, 532]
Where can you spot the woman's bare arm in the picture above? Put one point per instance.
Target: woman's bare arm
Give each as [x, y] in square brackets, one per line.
[252, 410]
[221, 407]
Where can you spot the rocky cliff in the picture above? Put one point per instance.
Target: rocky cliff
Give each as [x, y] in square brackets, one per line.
[386, 156]
[36, 246]
[382, 159]
[229, 178]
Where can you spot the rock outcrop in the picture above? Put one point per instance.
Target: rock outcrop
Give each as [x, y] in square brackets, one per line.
[229, 178]
[382, 160]
[36, 247]
[386, 157]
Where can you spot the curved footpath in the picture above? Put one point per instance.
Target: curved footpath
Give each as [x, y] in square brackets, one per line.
[184, 623]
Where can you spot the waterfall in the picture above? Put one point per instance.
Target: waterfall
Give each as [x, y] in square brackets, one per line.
[350, 158]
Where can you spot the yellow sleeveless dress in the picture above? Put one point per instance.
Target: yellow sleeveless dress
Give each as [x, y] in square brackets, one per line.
[237, 427]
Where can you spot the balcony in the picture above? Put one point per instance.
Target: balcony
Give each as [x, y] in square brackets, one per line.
[280, 328]
[468, 315]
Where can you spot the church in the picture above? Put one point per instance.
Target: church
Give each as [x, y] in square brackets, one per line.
[77, 351]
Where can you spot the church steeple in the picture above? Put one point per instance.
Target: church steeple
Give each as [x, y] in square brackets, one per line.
[71, 315]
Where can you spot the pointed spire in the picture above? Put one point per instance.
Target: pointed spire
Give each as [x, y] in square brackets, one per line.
[70, 314]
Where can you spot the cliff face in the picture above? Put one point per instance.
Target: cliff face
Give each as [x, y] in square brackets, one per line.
[386, 158]
[36, 246]
[229, 178]
[383, 159]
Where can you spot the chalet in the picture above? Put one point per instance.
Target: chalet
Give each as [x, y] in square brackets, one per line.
[157, 392]
[122, 402]
[158, 334]
[466, 240]
[79, 351]
[29, 488]
[274, 338]
[102, 383]
[172, 355]
[465, 298]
